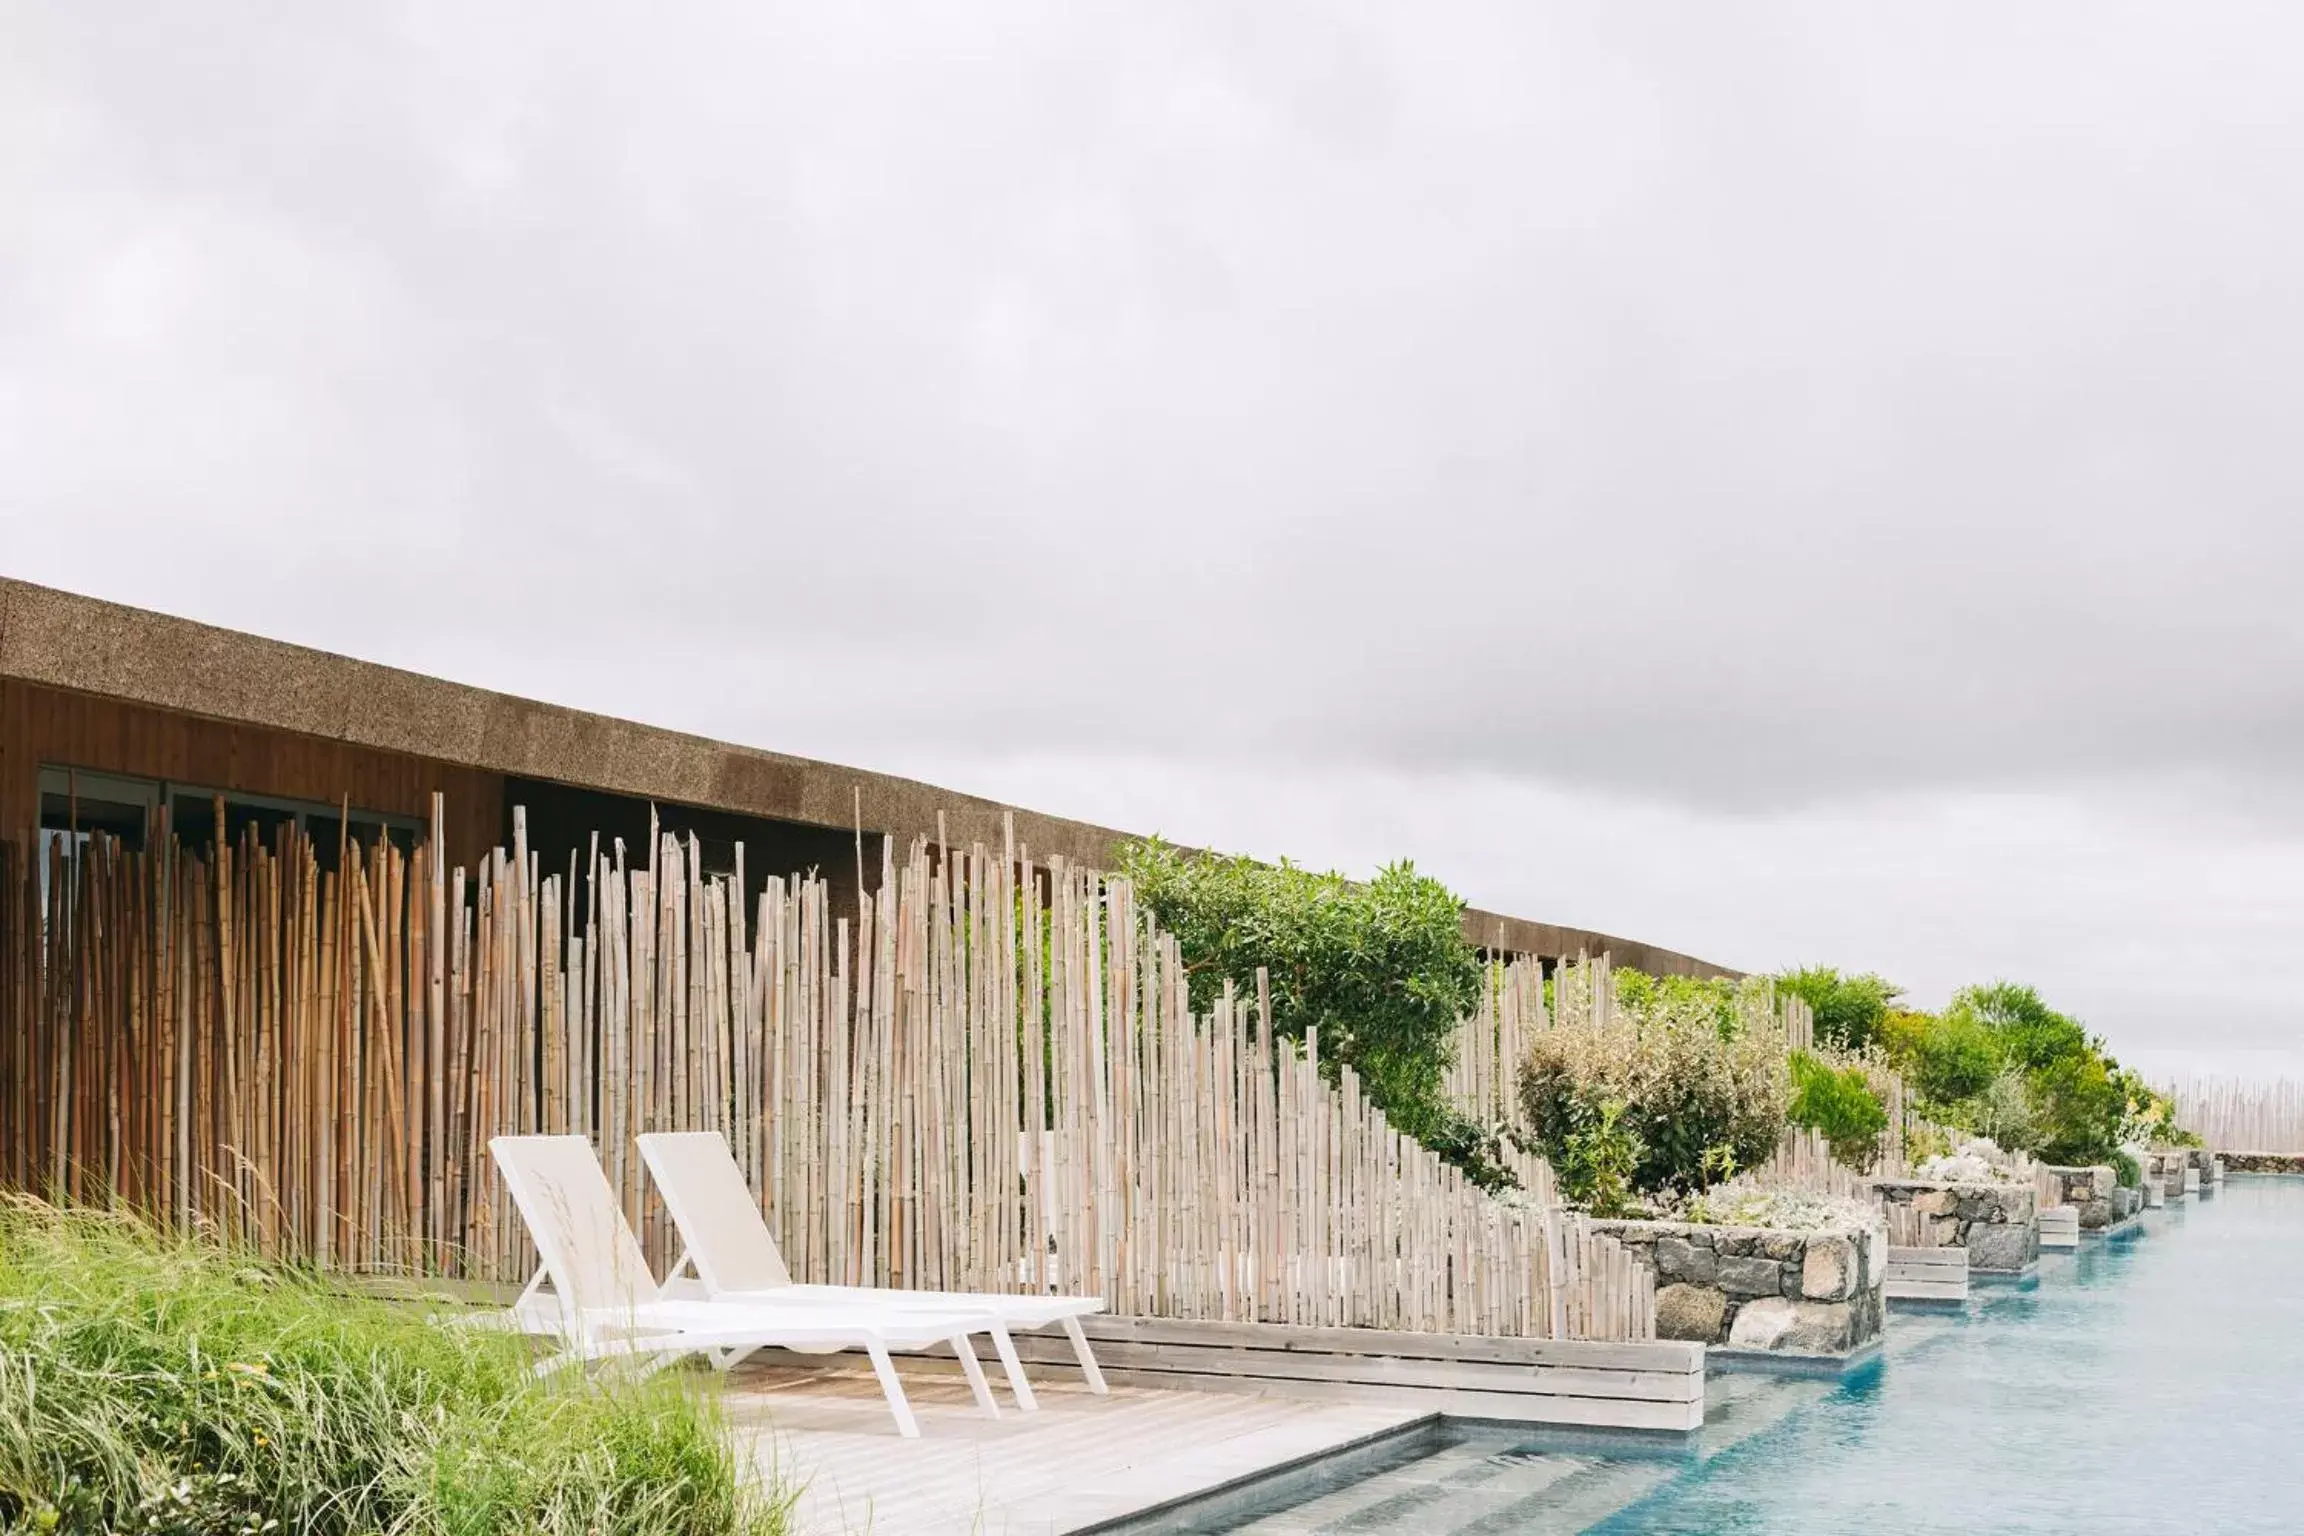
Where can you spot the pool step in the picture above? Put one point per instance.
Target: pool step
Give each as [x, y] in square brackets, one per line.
[1926, 1274]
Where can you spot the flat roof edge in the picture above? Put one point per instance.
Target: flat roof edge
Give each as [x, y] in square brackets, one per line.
[81, 644]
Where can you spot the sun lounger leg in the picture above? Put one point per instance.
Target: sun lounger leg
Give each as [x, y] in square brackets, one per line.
[1017, 1385]
[965, 1348]
[1087, 1356]
[894, 1390]
[729, 1359]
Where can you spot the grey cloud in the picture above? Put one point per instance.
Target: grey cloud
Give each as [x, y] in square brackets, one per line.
[1741, 407]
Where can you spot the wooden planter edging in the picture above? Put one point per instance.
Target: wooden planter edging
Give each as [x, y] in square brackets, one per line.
[1927, 1274]
[1536, 1381]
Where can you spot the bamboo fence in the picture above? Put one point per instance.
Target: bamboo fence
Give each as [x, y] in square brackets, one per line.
[988, 1078]
[1804, 1161]
[2243, 1115]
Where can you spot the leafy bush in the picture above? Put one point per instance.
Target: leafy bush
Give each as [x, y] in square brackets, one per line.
[1946, 1058]
[166, 1384]
[2031, 1034]
[1700, 1103]
[2126, 1171]
[1681, 995]
[1978, 1160]
[1600, 1161]
[1849, 1010]
[2149, 1116]
[1839, 1105]
[1784, 1210]
[1923, 1141]
[2000, 1062]
[2003, 1112]
[1380, 969]
[2078, 1109]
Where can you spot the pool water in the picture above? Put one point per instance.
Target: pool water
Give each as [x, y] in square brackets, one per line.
[2151, 1382]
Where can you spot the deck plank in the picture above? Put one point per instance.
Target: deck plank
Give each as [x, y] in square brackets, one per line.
[1081, 1459]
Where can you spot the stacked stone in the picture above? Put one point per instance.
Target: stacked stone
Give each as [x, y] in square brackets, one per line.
[2264, 1162]
[1997, 1223]
[1793, 1293]
[2204, 1161]
[2091, 1191]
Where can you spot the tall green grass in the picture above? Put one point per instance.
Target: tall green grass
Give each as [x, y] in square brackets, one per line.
[169, 1384]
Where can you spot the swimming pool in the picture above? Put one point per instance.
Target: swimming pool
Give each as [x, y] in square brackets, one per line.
[2152, 1382]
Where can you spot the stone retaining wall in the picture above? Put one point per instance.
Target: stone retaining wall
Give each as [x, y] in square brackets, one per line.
[2263, 1162]
[1998, 1224]
[2090, 1191]
[1762, 1289]
[2165, 1166]
[2126, 1202]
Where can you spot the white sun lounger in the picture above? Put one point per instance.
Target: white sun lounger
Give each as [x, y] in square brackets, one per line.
[604, 1303]
[735, 1256]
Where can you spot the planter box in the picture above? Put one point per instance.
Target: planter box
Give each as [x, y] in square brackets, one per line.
[1997, 1223]
[1798, 1294]
[2090, 1191]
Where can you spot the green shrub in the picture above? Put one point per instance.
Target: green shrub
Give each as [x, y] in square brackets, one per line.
[2149, 1116]
[166, 1384]
[1715, 997]
[2031, 1034]
[1839, 1105]
[1947, 1057]
[1600, 1161]
[2126, 1171]
[2001, 1063]
[1700, 1103]
[1381, 969]
[1849, 1010]
[2078, 1108]
[2003, 1112]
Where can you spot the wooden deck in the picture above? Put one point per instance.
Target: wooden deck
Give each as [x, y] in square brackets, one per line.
[1655, 1385]
[1080, 1460]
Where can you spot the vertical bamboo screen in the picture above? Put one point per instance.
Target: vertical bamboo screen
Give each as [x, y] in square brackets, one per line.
[1491, 1045]
[2237, 1115]
[316, 1058]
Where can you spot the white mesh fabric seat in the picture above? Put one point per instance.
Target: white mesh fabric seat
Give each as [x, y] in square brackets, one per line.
[603, 1303]
[727, 1242]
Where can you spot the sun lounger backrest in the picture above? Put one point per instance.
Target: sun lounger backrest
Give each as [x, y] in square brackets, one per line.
[727, 1238]
[585, 1245]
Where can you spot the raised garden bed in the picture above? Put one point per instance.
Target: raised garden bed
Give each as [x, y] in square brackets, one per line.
[2090, 1191]
[1996, 1223]
[1814, 1294]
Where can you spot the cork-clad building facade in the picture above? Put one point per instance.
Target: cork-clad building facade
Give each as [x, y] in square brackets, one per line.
[122, 719]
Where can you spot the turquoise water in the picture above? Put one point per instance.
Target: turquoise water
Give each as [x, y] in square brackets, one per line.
[2148, 1383]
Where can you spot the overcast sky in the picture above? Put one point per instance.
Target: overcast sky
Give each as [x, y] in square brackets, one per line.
[1788, 483]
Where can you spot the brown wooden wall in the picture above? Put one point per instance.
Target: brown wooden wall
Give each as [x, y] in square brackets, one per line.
[49, 725]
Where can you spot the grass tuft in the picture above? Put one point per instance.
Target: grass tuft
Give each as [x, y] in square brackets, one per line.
[159, 1383]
